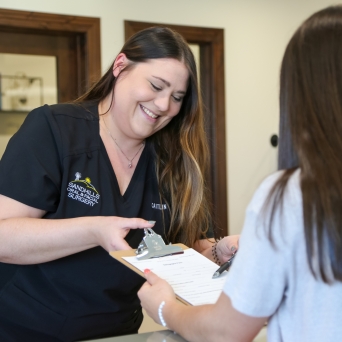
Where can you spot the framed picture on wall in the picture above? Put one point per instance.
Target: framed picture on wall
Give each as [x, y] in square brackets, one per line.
[26, 82]
[20, 92]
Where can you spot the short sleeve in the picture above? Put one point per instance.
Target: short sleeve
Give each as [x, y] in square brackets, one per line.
[30, 169]
[257, 280]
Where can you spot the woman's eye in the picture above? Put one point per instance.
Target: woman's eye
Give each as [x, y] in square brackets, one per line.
[177, 99]
[155, 87]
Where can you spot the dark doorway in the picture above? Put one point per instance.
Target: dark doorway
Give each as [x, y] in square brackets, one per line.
[211, 47]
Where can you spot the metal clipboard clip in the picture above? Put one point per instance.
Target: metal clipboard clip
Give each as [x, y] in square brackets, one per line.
[153, 246]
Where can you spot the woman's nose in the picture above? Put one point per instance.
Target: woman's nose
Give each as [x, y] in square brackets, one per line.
[162, 103]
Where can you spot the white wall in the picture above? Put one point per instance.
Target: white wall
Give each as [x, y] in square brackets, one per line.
[256, 33]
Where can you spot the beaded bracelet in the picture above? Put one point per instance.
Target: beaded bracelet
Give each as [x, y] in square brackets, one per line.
[214, 253]
[160, 313]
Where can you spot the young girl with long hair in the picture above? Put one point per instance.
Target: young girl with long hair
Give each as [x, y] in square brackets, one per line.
[288, 270]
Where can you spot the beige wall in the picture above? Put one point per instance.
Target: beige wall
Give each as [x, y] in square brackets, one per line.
[256, 33]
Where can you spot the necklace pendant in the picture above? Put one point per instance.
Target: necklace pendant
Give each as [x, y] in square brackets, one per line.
[130, 165]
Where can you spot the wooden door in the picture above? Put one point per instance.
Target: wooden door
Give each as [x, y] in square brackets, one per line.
[75, 41]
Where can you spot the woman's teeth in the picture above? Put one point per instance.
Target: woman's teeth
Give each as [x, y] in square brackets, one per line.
[149, 113]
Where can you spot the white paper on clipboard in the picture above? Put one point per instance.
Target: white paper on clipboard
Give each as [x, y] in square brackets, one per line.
[189, 274]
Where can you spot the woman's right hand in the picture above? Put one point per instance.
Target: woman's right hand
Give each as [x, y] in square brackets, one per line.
[111, 231]
[26, 238]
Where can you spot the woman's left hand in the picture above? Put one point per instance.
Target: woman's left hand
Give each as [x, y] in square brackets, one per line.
[153, 292]
[226, 247]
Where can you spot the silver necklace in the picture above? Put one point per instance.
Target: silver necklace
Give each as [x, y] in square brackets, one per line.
[130, 160]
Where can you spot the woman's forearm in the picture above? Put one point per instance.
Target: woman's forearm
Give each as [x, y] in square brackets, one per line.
[205, 247]
[35, 240]
[27, 238]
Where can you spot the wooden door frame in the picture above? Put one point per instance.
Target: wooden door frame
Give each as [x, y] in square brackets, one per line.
[211, 42]
[46, 23]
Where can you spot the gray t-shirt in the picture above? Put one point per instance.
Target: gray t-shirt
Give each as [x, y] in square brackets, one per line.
[277, 282]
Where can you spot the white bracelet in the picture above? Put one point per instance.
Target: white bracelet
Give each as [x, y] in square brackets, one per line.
[160, 313]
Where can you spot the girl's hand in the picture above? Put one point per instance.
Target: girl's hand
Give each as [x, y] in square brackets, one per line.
[154, 292]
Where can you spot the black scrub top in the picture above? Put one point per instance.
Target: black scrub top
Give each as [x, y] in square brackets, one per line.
[57, 162]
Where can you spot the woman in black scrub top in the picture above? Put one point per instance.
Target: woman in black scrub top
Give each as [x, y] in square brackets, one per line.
[79, 180]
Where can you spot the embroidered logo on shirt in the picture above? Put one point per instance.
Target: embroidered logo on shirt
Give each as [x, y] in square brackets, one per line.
[83, 191]
[159, 206]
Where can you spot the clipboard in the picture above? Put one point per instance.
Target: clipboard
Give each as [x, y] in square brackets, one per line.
[190, 274]
[118, 255]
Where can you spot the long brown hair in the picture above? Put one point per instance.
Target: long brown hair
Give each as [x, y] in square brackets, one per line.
[181, 146]
[311, 104]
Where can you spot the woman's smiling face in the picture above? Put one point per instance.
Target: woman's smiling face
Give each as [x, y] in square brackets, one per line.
[148, 95]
